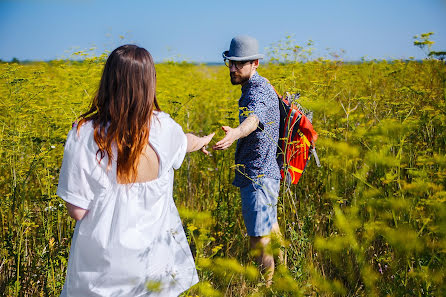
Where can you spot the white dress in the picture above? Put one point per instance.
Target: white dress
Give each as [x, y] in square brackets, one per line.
[131, 242]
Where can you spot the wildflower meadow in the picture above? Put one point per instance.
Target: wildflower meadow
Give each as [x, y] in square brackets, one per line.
[371, 221]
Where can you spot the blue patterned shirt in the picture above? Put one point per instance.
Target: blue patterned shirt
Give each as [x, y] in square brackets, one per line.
[255, 155]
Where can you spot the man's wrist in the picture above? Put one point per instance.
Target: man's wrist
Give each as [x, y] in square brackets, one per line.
[238, 133]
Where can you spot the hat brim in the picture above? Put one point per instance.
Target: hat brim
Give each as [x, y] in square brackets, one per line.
[247, 58]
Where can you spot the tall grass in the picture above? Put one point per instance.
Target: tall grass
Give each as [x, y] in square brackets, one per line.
[370, 221]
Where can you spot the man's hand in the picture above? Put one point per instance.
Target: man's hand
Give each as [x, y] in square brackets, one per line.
[231, 136]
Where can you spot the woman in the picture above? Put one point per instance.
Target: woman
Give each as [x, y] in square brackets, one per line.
[117, 181]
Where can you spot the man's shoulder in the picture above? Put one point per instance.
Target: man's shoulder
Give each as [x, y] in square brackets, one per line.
[259, 84]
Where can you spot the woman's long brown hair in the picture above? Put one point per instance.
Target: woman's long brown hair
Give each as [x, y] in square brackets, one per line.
[122, 108]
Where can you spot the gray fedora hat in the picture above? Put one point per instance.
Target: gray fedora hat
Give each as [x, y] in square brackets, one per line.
[243, 48]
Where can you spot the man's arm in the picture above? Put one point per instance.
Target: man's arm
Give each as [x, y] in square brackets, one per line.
[248, 126]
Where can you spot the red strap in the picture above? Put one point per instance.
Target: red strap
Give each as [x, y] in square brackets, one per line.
[278, 95]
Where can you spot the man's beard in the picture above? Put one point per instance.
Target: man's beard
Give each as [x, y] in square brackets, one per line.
[238, 79]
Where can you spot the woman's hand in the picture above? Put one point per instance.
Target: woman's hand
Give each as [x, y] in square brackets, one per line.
[195, 143]
[205, 141]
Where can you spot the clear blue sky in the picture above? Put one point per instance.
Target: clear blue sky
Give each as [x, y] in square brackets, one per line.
[199, 31]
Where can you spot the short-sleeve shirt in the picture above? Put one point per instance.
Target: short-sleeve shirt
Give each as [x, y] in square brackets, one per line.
[132, 234]
[255, 154]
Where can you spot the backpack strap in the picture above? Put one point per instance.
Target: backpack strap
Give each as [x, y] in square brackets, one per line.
[316, 158]
[278, 95]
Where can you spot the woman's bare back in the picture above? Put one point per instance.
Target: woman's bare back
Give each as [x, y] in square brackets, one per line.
[148, 166]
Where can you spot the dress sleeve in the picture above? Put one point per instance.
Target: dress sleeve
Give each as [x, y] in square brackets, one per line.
[179, 140]
[78, 182]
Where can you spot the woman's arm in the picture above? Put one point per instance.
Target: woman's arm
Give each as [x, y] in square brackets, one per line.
[76, 212]
[195, 143]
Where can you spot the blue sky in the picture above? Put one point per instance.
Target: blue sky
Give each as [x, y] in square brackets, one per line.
[198, 31]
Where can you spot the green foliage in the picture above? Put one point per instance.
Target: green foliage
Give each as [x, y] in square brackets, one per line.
[424, 42]
[370, 221]
[288, 51]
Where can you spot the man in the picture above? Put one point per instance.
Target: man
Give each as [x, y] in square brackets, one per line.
[257, 172]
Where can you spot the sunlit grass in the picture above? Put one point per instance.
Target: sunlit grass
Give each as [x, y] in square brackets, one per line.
[370, 221]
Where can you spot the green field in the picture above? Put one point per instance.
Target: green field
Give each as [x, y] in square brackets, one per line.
[370, 221]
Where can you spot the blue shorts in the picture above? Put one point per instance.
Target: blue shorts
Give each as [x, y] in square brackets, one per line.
[259, 205]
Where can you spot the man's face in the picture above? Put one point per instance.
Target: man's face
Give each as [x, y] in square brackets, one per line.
[240, 71]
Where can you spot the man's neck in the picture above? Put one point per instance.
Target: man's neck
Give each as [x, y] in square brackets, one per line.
[252, 73]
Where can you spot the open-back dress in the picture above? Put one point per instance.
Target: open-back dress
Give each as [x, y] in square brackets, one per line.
[131, 241]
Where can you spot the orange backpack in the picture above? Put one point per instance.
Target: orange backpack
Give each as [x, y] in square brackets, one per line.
[296, 138]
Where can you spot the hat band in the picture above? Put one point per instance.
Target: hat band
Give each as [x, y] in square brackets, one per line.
[227, 55]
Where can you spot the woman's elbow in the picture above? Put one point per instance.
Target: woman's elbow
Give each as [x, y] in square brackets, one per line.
[77, 215]
[75, 212]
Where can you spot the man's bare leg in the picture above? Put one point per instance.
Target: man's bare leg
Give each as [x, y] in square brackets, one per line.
[260, 246]
[263, 254]
[277, 236]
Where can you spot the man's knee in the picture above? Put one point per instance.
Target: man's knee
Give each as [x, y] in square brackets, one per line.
[275, 229]
[259, 241]
[261, 250]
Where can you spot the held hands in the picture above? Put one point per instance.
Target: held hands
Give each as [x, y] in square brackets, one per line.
[232, 134]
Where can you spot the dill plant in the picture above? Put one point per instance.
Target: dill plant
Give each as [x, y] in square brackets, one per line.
[370, 221]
